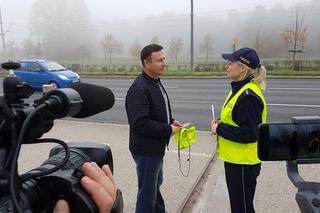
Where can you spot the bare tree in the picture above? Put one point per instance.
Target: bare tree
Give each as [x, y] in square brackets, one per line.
[258, 42]
[295, 42]
[155, 40]
[254, 35]
[295, 39]
[175, 47]
[287, 38]
[12, 50]
[38, 53]
[135, 48]
[82, 51]
[28, 48]
[206, 46]
[110, 46]
[121, 49]
[60, 25]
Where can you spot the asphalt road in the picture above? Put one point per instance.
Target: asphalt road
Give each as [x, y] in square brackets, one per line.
[191, 99]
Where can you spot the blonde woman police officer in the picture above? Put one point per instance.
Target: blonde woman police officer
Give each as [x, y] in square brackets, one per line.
[243, 110]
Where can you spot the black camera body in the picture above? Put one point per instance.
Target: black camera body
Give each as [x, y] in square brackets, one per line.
[59, 176]
[41, 194]
[299, 139]
[297, 143]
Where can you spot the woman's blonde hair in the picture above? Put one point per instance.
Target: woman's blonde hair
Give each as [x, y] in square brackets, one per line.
[258, 75]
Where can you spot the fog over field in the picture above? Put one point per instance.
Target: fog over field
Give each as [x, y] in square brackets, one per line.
[101, 29]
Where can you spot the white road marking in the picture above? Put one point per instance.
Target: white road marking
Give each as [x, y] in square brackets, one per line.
[192, 153]
[295, 105]
[171, 87]
[294, 88]
[210, 102]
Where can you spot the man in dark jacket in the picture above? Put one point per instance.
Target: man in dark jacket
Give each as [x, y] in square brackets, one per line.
[151, 126]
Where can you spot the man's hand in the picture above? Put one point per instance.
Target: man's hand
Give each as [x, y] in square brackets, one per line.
[174, 129]
[99, 183]
[177, 123]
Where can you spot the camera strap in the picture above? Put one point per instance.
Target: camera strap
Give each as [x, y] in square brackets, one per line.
[4, 108]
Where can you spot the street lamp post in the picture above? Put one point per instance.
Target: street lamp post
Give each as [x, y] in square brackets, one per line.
[2, 34]
[191, 38]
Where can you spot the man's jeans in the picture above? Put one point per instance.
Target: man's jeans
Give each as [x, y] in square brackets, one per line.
[149, 171]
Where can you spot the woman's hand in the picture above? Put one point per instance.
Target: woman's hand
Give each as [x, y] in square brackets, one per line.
[214, 125]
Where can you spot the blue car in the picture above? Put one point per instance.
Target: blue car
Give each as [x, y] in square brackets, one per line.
[38, 72]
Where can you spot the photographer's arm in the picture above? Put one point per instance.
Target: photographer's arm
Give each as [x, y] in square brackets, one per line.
[99, 183]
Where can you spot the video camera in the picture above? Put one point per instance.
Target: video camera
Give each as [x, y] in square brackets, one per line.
[59, 176]
[297, 143]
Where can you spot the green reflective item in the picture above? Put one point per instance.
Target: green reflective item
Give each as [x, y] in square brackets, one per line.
[185, 137]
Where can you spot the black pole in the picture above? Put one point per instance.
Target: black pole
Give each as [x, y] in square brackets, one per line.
[2, 35]
[191, 40]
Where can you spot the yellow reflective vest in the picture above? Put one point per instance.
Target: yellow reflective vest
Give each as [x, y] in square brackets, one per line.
[231, 151]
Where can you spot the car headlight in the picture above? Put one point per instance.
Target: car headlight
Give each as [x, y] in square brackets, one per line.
[63, 77]
[78, 76]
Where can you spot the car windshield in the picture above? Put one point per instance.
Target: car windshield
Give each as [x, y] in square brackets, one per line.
[52, 66]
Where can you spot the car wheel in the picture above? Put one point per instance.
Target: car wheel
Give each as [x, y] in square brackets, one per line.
[54, 84]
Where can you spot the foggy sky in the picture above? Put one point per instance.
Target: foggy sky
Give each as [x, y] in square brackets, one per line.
[16, 13]
[141, 20]
[19, 10]
[141, 8]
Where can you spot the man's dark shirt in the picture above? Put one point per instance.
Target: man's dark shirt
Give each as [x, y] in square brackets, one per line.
[147, 116]
[246, 114]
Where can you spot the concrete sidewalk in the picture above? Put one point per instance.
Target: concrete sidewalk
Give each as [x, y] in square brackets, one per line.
[275, 193]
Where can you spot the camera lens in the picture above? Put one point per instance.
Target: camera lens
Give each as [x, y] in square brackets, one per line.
[77, 158]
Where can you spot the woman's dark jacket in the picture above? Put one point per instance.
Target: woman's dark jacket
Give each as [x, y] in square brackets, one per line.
[246, 114]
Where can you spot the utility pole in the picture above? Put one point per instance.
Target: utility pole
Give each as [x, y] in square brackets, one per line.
[2, 35]
[295, 37]
[191, 39]
[298, 41]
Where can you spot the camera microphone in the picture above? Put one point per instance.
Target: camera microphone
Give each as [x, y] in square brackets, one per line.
[79, 101]
[61, 102]
[95, 99]
[10, 65]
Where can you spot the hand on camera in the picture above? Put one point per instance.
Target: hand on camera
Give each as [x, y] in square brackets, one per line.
[99, 183]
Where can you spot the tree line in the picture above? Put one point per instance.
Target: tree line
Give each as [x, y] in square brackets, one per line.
[63, 29]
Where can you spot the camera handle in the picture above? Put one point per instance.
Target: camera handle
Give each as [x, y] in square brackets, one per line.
[7, 161]
[308, 195]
